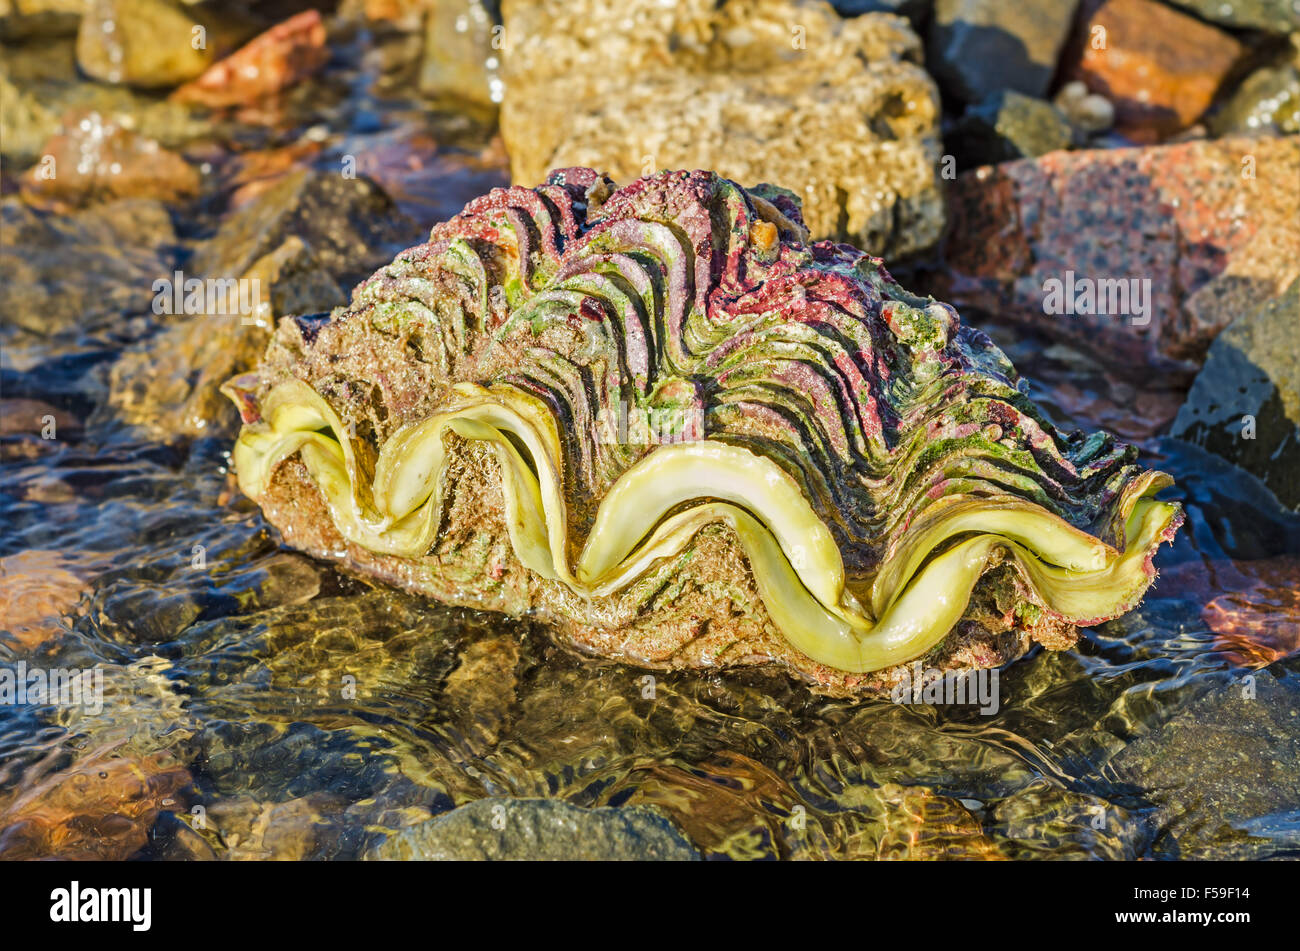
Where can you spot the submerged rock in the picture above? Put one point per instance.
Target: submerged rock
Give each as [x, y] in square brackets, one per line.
[767, 445]
[1223, 772]
[1185, 237]
[774, 91]
[78, 272]
[539, 830]
[1245, 403]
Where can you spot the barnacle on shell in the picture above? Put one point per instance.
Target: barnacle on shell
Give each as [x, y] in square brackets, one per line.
[842, 470]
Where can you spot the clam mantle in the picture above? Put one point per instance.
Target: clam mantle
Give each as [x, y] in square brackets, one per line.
[843, 477]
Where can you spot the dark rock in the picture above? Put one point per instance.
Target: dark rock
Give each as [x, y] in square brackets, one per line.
[977, 47]
[539, 830]
[1222, 770]
[23, 19]
[60, 273]
[914, 10]
[351, 225]
[1268, 101]
[1245, 403]
[169, 384]
[92, 159]
[1008, 125]
[1274, 16]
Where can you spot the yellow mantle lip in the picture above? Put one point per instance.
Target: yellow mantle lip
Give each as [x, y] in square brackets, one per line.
[916, 598]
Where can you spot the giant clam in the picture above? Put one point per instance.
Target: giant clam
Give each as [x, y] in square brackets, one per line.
[660, 419]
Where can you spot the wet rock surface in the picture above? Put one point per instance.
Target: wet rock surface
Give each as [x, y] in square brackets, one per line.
[258, 704]
[1279, 16]
[857, 136]
[1245, 403]
[1007, 126]
[539, 830]
[119, 249]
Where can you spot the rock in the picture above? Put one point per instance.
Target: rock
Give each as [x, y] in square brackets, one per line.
[914, 10]
[1260, 622]
[1211, 225]
[977, 47]
[145, 43]
[1047, 822]
[1159, 67]
[26, 121]
[169, 384]
[1267, 102]
[1245, 403]
[36, 589]
[95, 159]
[31, 109]
[23, 19]
[1219, 768]
[77, 272]
[281, 57]
[1008, 125]
[634, 87]
[288, 831]
[1275, 16]
[1086, 111]
[462, 56]
[350, 224]
[101, 808]
[539, 830]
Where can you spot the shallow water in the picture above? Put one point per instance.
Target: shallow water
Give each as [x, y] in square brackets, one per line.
[260, 704]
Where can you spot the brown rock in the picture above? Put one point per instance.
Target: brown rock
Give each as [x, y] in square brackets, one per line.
[771, 91]
[94, 158]
[1259, 622]
[1160, 68]
[37, 588]
[170, 385]
[270, 63]
[101, 808]
[147, 43]
[1211, 226]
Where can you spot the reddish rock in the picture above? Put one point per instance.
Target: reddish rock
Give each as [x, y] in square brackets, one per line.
[1260, 622]
[270, 63]
[1160, 68]
[101, 808]
[95, 158]
[1211, 226]
[37, 588]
